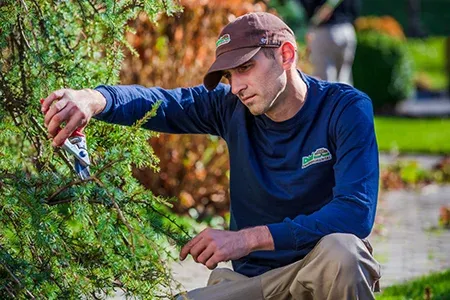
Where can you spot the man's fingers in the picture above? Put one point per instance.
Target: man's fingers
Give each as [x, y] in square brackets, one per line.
[56, 95]
[187, 248]
[54, 110]
[58, 117]
[197, 249]
[212, 262]
[67, 131]
[205, 255]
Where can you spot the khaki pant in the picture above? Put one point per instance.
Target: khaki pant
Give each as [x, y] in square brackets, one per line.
[339, 267]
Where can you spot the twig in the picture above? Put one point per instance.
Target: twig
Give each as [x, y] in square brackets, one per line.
[72, 183]
[59, 152]
[83, 13]
[41, 19]
[24, 5]
[106, 167]
[35, 39]
[125, 8]
[9, 292]
[164, 216]
[116, 206]
[72, 200]
[93, 6]
[17, 280]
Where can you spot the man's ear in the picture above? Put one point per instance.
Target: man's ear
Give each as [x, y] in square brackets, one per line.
[288, 55]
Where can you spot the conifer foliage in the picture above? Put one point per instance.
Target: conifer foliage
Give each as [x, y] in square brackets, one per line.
[61, 237]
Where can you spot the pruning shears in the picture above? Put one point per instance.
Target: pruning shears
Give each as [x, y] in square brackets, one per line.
[77, 146]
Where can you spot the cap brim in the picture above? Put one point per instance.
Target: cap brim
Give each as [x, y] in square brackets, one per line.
[226, 61]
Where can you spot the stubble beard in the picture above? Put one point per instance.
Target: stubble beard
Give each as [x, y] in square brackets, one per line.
[274, 102]
[267, 108]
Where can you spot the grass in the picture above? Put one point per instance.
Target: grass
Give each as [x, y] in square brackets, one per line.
[438, 284]
[428, 136]
[429, 60]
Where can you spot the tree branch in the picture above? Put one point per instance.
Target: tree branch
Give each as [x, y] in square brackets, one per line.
[59, 152]
[17, 280]
[164, 216]
[62, 189]
[119, 211]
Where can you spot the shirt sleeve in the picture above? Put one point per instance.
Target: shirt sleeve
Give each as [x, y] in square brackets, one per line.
[181, 110]
[356, 171]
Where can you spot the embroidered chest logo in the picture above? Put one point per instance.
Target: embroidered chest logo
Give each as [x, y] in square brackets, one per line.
[320, 155]
[224, 39]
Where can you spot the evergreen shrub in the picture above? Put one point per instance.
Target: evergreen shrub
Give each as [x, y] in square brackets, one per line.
[383, 69]
[60, 237]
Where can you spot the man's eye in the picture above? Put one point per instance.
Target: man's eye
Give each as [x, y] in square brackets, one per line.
[243, 68]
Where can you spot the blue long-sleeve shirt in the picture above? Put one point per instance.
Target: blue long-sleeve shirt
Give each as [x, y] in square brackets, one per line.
[306, 177]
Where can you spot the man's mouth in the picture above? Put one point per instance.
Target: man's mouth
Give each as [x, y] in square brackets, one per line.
[245, 99]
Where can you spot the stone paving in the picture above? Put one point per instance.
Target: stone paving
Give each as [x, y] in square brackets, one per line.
[410, 246]
[432, 107]
[413, 244]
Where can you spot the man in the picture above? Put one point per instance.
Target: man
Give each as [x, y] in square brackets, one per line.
[303, 157]
[331, 37]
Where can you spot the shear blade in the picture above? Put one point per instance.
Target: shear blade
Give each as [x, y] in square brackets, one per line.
[82, 171]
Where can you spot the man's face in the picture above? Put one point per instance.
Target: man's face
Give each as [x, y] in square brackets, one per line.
[258, 83]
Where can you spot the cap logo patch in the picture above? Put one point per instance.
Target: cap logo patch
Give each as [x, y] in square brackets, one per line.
[224, 39]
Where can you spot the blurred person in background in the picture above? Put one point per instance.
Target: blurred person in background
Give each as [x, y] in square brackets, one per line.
[303, 165]
[331, 37]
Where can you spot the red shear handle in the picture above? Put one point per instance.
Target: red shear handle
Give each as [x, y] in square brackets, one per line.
[78, 132]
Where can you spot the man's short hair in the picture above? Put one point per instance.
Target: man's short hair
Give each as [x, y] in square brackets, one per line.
[270, 53]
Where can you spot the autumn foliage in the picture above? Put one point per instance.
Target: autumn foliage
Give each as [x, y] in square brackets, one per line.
[177, 53]
[179, 50]
[385, 24]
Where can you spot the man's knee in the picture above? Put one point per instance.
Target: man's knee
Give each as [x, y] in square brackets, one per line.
[341, 266]
[220, 275]
[341, 251]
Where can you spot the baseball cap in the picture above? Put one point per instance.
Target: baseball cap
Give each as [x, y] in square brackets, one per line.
[242, 38]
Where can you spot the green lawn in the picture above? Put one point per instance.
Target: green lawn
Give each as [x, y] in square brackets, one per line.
[438, 284]
[413, 135]
[429, 60]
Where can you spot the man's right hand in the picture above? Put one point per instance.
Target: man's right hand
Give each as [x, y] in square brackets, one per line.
[74, 108]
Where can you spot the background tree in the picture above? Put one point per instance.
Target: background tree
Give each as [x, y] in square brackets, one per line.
[61, 237]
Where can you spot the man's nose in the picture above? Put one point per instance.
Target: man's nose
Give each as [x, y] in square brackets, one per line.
[237, 85]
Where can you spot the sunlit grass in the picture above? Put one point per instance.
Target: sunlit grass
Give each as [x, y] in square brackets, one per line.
[438, 285]
[413, 135]
[429, 61]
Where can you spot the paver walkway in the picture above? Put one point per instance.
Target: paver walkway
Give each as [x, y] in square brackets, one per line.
[433, 107]
[409, 247]
[413, 244]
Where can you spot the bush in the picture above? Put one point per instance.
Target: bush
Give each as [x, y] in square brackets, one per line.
[61, 237]
[385, 24]
[383, 69]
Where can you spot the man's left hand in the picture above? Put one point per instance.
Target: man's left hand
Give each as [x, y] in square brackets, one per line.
[212, 246]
